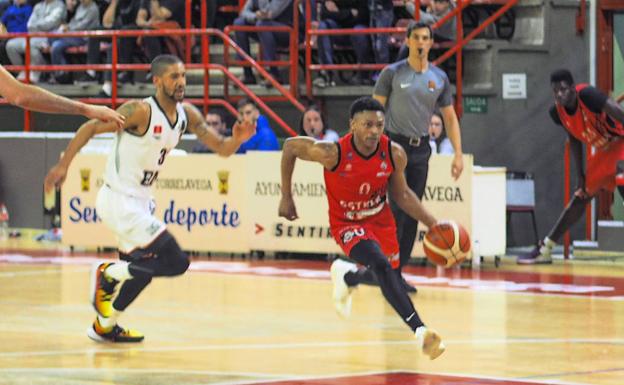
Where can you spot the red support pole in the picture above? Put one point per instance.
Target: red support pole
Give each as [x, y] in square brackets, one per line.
[188, 24]
[459, 106]
[294, 52]
[114, 71]
[308, 48]
[205, 49]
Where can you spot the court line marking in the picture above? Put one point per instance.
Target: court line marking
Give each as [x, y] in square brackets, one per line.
[329, 344]
[577, 373]
[276, 378]
[305, 274]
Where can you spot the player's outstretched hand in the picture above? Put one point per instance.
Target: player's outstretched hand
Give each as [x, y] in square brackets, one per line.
[243, 130]
[55, 178]
[287, 208]
[581, 193]
[457, 166]
[105, 114]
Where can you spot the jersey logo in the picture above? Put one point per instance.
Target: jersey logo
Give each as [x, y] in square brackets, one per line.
[364, 189]
[405, 85]
[431, 85]
[157, 131]
[149, 177]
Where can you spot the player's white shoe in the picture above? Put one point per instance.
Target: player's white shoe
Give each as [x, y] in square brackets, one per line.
[342, 292]
[430, 341]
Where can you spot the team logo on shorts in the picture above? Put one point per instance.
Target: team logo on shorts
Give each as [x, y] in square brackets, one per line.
[153, 228]
[350, 234]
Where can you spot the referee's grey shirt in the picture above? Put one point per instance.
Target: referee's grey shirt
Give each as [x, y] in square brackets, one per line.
[412, 97]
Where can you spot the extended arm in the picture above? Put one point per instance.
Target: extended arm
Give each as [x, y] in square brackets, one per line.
[400, 192]
[37, 99]
[614, 110]
[576, 148]
[56, 176]
[307, 149]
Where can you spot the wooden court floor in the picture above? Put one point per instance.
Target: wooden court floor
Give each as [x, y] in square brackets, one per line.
[241, 322]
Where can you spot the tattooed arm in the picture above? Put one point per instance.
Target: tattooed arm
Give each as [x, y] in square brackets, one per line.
[135, 114]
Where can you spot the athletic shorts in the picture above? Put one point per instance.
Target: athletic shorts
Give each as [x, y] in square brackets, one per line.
[602, 167]
[130, 218]
[381, 228]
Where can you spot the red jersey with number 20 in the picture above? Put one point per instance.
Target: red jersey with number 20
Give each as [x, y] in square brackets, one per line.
[357, 187]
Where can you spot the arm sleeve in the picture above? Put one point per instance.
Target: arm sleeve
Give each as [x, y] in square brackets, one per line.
[593, 98]
[554, 115]
[383, 87]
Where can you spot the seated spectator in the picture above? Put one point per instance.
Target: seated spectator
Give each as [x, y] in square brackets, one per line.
[215, 119]
[122, 15]
[313, 124]
[161, 14]
[86, 16]
[13, 20]
[263, 13]
[382, 17]
[438, 140]
[344, 14]
[436, 10]
[264, 139]
[47, 16]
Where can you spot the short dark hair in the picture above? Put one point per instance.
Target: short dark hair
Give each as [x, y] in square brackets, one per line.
[418, 25]
[162, 62]
[561, 75]
[365, 103]
[245, 101]
[311, 107]
[219, 112]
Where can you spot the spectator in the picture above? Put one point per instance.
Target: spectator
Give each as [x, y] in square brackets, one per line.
[122, 15]
[438, 141]
[382, 17]
[47, 16]
[86, 17]
[344, 14]
[264, 13]
[161, 14]
[215, 119]
[313, 124]
[264, 139]
[14, 19]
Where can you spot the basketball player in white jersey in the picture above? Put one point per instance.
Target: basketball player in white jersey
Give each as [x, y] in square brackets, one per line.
[152, 128]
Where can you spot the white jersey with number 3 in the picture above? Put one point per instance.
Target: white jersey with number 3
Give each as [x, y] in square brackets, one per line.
[135, 161]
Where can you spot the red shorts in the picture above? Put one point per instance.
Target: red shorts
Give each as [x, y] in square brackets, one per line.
[381, 228]
[601, 167]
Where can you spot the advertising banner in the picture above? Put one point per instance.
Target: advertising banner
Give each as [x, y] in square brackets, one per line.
[201, 198]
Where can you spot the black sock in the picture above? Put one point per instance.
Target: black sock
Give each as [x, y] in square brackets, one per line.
[368, 253]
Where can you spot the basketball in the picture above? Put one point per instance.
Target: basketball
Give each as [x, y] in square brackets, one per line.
[447, 243]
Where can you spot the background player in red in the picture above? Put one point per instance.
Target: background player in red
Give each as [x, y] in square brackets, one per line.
[592, 118]
[358, 171]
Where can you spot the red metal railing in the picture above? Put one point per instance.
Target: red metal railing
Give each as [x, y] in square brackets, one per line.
[456, 49]
[115, 67]
[291, 63]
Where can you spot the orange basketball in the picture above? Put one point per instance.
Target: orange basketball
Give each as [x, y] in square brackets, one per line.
[447, 243]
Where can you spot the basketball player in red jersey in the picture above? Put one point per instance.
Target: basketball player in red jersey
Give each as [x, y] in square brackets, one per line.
[590, 117]
[358, 171]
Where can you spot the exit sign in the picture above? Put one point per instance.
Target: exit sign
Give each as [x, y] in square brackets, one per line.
[475, 104]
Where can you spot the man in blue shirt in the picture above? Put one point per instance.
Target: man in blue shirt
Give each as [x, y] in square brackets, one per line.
[14, 19]
[264, 139]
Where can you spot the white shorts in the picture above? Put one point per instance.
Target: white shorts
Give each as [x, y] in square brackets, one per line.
[130, 218]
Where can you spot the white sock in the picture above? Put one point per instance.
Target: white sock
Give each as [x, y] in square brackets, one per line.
[118, 271]
[91, 73]
[109, 322]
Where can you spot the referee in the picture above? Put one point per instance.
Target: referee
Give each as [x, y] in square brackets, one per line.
[411, 90]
